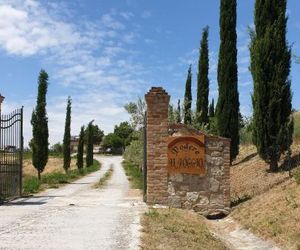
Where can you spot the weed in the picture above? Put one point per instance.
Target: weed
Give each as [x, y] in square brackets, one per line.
[104, 178]
[134, 174]
[31, 184]
[290, 200]
[153, 213]
[240, 200]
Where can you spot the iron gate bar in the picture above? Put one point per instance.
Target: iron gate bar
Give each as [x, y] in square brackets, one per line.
[11, 153]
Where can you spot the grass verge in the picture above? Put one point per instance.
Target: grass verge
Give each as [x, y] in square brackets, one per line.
[31, 184]
[134, 175]
[176, 229]
[103, 180]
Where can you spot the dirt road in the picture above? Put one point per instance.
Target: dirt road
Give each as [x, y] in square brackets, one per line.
[76, 216]
[236, 237]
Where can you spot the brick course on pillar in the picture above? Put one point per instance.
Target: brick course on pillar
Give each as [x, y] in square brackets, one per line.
[157, 100]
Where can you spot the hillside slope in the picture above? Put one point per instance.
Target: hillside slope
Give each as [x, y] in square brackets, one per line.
[273, 207]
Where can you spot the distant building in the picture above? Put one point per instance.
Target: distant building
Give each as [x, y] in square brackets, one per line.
[74, 143]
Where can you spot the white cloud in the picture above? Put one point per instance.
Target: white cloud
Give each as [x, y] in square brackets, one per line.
[127, 15]
[111, 23]
[190, 57]
[91, 60]
[26, 31]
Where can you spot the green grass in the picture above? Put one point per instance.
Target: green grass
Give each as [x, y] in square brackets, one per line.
[27, 155]
[31, 184]
[134, 174]
[103, 180]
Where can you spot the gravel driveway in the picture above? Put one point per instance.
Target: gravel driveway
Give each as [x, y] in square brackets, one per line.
[76, 216]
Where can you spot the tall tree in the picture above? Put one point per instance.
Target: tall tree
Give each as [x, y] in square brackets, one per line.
[39, 122]
[67, 137]
[202, 81]
[227, 111]
[97, 132]
[124, 130]
[80, 149]
[270, 68]
[178, 113]
[188, 98]
[90, 145]
[171, 114]
[212, 108]
[137, 112]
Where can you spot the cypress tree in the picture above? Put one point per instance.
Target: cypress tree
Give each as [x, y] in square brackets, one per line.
[80, 149]
[188, 98]
[178, 113]
[90, 145]
[270, 68]
[67, 137]
[39, 122]
[212, 108]
[227, 111]
[171, 114]
[202, 81]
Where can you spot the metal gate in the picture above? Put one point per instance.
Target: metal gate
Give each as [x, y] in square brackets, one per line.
[11, 154]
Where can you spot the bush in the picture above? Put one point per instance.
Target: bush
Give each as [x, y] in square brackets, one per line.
[135, 151]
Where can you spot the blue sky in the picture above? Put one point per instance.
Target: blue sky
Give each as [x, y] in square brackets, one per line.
[105, 53]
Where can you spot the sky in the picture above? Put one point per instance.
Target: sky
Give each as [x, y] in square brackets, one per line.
[106, 53]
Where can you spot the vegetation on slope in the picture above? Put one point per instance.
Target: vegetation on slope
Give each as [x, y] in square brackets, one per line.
[273, 206]
[274, 214]
[176, 229]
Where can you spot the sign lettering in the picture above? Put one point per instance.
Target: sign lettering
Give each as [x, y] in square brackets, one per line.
[186, 154]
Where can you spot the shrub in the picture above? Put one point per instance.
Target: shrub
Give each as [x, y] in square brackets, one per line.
[134, 152]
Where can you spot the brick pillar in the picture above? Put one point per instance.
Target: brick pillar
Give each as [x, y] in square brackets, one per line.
[157, 100]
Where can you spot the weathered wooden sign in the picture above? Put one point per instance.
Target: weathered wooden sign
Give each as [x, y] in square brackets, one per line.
[186, 154]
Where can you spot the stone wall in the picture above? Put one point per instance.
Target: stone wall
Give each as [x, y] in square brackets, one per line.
[208, 194]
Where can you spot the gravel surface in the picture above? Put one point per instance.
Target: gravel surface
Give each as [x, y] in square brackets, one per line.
[76, 216]
[236, 237]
